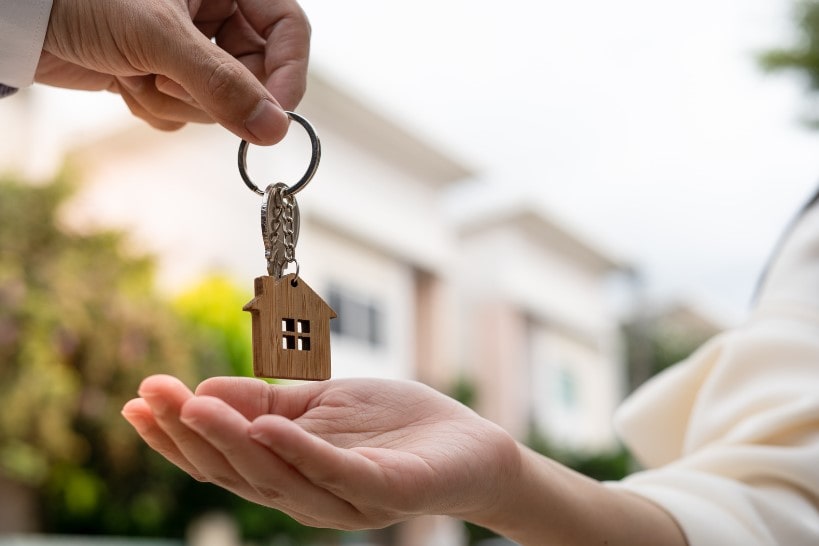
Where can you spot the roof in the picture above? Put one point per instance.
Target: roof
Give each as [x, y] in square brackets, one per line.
[383, 136]
[541, 227]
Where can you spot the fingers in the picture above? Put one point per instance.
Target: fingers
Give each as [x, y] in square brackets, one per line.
[262, 40]
[173, 89]
[210, 441]
[165, 396]
[138, 413]
[250, 397]
[209, 15]
[223, 87]
[159, 108]
[344, 472]
[254, 397]
[272, 481]
[286, 30]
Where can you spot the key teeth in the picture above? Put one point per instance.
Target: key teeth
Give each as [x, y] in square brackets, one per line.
[280, 229]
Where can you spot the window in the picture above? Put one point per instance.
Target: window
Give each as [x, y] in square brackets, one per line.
[566, 388]
[358, 318]
[295, 334]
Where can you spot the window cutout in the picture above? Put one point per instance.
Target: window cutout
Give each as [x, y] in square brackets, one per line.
[291, 341]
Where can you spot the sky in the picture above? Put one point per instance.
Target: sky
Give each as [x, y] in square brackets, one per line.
[644, 125]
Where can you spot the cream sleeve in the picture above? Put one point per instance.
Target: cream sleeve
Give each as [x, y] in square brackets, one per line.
[730, 437]
[23, 25]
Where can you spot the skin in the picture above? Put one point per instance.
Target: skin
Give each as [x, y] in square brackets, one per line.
[364, 453]
[158, 55]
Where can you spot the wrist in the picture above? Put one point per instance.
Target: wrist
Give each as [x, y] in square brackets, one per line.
[498, 504]
[548, 503]
[482, 491]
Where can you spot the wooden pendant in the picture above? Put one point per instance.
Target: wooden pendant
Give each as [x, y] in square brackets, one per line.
[291, 329]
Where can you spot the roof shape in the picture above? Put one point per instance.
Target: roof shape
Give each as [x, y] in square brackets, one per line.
[531, 219]
[384, 136]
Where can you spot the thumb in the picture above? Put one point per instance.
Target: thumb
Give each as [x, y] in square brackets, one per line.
[224, 88]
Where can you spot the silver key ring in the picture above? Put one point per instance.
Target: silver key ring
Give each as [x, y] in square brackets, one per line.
[311, 168]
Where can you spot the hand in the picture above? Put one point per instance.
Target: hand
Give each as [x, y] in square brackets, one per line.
[159, 56]
[347, 454]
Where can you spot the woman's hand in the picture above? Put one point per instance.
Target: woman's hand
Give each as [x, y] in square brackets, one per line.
[158, 54]
[348, 454]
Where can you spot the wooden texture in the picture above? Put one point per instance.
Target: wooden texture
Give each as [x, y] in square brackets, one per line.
[291, 330]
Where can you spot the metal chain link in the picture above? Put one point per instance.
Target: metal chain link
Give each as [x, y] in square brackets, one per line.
[288, 228]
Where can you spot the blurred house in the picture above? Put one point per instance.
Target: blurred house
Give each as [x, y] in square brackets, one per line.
[372, 242]
[541, 332]
[508, 298]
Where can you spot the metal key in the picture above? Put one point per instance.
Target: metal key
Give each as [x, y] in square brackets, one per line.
[280, 229]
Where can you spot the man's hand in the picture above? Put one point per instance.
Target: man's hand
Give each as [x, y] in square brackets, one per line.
[161, 57]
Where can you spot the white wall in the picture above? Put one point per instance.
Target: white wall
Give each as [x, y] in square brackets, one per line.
[559, 333]
[329, 259]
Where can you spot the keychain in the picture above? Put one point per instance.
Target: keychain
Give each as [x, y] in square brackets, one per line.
[291, 323]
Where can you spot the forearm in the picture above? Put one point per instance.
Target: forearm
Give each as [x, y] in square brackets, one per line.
[551, 504]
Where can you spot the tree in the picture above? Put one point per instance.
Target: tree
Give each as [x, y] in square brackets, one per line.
[803, 56]
[80, 326]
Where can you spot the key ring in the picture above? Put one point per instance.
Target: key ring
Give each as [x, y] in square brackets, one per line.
[311, 168]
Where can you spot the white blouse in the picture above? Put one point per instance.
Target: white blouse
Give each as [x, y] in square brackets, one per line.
[23, 25]
[730, 436]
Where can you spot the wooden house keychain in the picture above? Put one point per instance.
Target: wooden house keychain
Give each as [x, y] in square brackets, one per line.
[291, 323]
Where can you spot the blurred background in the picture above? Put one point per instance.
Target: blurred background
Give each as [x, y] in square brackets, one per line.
[532, 208]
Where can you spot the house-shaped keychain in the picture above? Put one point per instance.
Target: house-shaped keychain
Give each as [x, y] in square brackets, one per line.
[291, 329]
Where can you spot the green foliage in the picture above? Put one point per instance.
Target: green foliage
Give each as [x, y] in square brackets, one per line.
[463, 390]
[221, 330]
[801, 57]
[602, 466]
[80, 327]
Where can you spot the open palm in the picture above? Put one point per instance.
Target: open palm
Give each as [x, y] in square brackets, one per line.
[347, 454]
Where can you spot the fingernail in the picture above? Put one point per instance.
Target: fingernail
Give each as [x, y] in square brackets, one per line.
[267, 122]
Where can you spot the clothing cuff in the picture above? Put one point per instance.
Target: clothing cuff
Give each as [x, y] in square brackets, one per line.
[709, 510]
[23, 26]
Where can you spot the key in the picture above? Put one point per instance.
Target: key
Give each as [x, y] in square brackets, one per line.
[280, 228]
